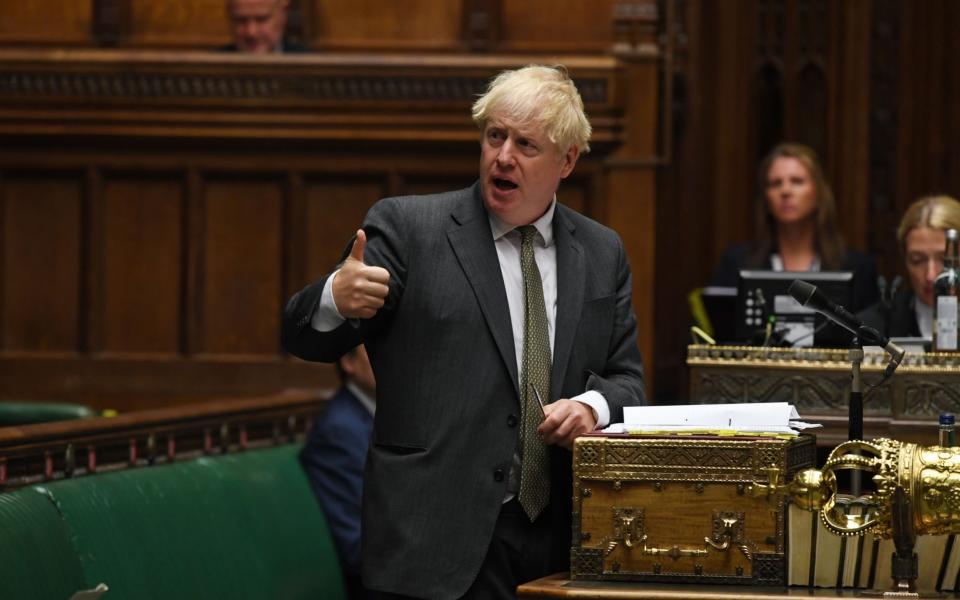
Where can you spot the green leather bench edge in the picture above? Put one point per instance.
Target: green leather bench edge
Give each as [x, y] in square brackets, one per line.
[238, 526]
[37, 558]
[25, 413]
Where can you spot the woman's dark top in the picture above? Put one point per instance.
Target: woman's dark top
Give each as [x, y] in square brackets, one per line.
[895, 318]
[865, 290]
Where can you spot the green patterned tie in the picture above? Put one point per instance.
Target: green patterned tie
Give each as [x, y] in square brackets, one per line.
[534, 372]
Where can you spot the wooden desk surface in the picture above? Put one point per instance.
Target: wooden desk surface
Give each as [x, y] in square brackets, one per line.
[559, 586]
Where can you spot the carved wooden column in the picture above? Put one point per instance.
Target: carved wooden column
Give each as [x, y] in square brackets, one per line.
[111, 21]
[481, 24]
[295, 31]
[632, 169]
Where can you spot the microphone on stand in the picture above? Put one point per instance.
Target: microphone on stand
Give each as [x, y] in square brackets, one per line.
[807, 294]
[894, 287]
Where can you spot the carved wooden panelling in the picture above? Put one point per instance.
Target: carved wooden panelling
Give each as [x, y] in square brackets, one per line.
[928, 398]
[557, 26]
[333, 211]
[812, 393]
[196, 24]
[373, 24]
[46, 22]
[884, 57]
[204, 190]
[571, 25]
[630, 457]
[139, 293]
[42, 242]
[240, 266]
[341, 88]
[482, 23]
[431, 184]
[790, 80]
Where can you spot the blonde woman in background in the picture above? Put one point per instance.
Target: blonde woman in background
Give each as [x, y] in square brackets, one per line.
[922, 239]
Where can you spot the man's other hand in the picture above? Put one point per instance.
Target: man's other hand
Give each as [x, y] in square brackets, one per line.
[359, 290]
[565, 420]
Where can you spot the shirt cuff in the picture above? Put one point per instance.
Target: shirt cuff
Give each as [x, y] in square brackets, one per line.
[598, 403]
[326, 317]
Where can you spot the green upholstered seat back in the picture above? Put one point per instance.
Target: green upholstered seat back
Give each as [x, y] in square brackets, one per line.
[24, 413]
[238, 526]
[37, 559]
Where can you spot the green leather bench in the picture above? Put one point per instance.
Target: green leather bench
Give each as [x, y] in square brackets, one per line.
[25, 413]
[241, 525]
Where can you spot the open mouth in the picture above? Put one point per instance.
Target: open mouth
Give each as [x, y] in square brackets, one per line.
[504, 184]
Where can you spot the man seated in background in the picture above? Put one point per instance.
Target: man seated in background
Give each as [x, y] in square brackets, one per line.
[258, 26]
[334, 455]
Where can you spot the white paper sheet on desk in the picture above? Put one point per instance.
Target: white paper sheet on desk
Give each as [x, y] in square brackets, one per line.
[773, 417]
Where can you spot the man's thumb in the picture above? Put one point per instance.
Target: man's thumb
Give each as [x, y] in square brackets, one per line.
[359, 245]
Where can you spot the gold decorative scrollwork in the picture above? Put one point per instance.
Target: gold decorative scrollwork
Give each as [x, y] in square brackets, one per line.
[930, 476]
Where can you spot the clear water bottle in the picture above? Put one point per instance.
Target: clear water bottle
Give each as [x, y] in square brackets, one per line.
[945, 291]
[948, 435]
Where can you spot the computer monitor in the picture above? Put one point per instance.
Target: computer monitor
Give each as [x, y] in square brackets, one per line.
[762, 297]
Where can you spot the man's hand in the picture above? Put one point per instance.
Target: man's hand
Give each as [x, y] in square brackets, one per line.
[358, 290]
[565, 420]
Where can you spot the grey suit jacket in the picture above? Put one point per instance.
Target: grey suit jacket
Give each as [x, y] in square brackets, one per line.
[447, 393]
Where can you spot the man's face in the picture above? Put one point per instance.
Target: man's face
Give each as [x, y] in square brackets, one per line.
[520, 169]
[258, 24]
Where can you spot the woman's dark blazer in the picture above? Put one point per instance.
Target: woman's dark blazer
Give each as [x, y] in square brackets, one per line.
[865, 291]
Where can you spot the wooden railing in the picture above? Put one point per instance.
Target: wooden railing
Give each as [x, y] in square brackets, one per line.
[50, 451]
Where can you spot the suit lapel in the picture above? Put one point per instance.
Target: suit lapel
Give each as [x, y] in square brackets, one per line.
[472, 243]
[571, 274]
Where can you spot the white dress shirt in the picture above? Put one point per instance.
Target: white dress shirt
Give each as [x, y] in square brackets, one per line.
[506, 238]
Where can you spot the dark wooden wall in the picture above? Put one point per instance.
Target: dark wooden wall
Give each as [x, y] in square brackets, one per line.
[872, 85]
[569, 26]
[158, 207]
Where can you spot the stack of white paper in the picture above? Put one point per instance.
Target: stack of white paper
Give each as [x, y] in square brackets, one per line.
[759, 417]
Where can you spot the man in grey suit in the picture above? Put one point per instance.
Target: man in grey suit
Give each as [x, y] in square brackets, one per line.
[500, 327]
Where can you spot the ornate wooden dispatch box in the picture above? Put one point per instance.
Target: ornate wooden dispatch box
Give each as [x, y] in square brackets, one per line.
[676, 508]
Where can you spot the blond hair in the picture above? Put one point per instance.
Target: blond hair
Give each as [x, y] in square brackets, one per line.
[935, 212]
[538, 94]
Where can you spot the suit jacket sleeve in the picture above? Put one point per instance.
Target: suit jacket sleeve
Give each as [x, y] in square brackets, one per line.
[302, 340]
[383, 228]
[621, 380]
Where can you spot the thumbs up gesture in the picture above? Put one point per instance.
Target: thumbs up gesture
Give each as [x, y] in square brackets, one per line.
[359, 290]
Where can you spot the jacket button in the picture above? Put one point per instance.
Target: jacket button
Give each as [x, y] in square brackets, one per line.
[512, 421]
[498, 475]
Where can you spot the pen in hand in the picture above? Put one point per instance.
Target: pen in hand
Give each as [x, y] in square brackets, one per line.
[539, 400]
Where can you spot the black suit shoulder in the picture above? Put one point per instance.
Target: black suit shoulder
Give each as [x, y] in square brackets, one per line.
[733, 259]
[894, 319]
[586, 224]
